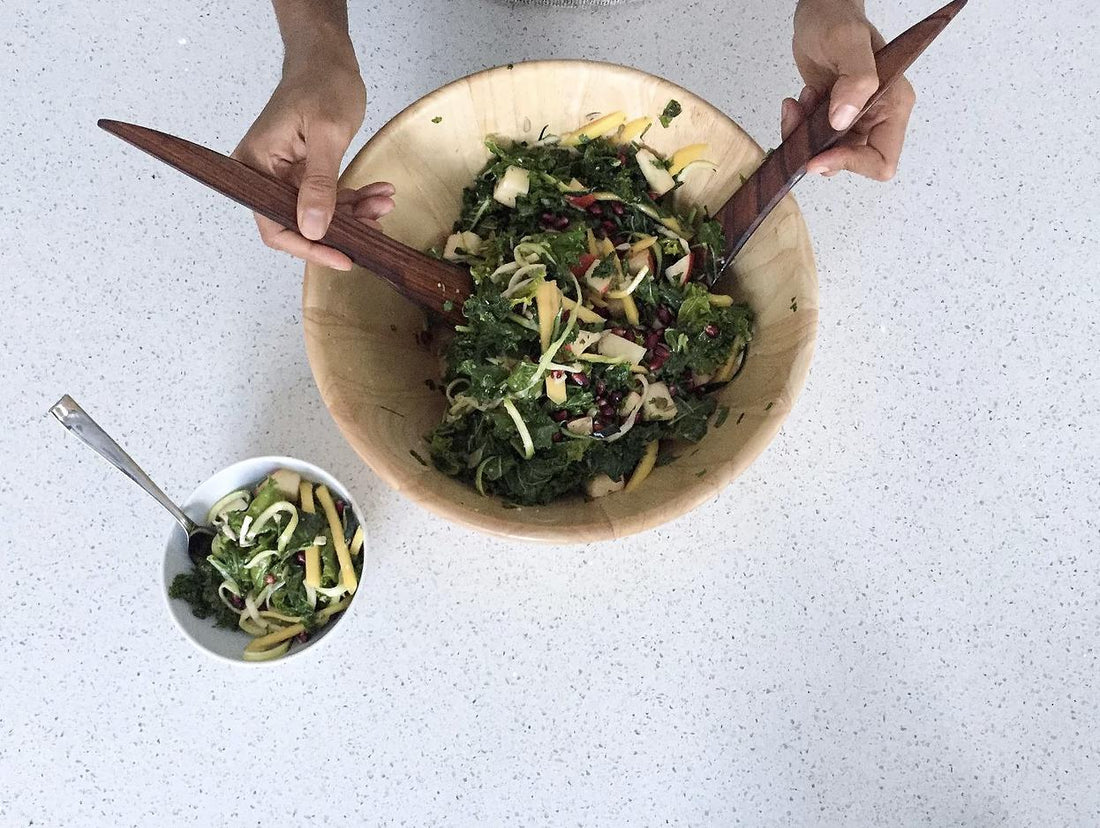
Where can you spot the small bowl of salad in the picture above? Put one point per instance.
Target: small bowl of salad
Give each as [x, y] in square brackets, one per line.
[283, 567]
[609, 373]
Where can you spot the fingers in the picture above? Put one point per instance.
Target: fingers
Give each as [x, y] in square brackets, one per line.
[370, 209]
[790, 117]
[857, 76]
[875, 154]
[317, 189]
[278, 237]
[378, 188]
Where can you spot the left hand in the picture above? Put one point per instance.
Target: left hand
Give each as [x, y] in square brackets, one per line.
[834, 48]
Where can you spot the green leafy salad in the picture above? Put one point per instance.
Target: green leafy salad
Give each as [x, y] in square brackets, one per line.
[285, 560]
[591, 335]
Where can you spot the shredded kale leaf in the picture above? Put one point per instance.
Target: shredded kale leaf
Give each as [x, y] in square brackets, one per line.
[672, 109]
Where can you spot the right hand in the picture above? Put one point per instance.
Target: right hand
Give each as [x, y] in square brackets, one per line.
[301, 137]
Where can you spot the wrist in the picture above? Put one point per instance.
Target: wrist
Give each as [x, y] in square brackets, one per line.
[324, 46]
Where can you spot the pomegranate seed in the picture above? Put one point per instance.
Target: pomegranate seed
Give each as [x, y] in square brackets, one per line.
[619, 332]
[580, 378]
[557, 374]
[607, 410]
[662, 350]
[557, 436]
[653, 195]
[601, 388]
[236, 600]
[341, 506]
[609, 226]
[617, 208]
[599, 233]
[604, 312]
[269, 578]
[598, 426]
[651, 340]
[616, 397]
[301, 558]
[711, 331]
[565, 316]
[664, 314]
[596, 210]
[549, 218]
[673, 390]
[560, 416]
[302, 637]
[561, 222]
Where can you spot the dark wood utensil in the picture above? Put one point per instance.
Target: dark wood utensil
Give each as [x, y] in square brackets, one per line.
[783, 168]
[442, 287]
[436, 285]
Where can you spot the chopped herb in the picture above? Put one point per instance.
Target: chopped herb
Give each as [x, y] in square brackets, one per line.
[431, 384]
[448, 305]
[511, 66]
[672, 109]
[739, 419]
[723, 413]
[794, 304]
[418, 458]
[700, 473]
[397, 413]
[438, 119]
[768, 407]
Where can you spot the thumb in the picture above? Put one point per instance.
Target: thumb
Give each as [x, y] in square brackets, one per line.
[317, 192]
[857, 78]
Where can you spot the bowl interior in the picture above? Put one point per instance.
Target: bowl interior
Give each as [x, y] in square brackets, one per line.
[225, 643]
[365, 342]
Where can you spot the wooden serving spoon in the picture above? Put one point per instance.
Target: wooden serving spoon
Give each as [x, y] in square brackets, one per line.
[442, 287]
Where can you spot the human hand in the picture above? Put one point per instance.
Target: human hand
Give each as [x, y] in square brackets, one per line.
[834, 46]
[301, 137]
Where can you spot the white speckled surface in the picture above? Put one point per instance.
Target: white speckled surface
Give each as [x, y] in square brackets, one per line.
[891, 619]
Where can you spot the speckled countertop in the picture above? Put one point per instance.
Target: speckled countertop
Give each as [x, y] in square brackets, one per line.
[891, 619]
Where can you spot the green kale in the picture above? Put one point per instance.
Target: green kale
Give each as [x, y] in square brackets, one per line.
[199, 588]
[692, 413]
[671, 110]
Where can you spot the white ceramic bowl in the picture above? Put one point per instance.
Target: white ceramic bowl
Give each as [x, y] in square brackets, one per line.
[228, 644]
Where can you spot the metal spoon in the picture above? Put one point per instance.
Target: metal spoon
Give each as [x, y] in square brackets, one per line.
[76, 419]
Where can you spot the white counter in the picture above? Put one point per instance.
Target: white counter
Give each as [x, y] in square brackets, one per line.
[891, 618]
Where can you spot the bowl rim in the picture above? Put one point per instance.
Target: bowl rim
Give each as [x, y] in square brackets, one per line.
[306, 469]
[605, 529]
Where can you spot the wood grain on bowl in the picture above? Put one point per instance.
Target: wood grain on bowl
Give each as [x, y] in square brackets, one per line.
[365, 342]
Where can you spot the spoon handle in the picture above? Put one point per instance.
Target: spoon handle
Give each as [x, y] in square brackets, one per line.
[76, 419]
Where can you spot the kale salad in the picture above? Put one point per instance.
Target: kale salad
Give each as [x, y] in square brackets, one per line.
[285, 560]
[591, 336]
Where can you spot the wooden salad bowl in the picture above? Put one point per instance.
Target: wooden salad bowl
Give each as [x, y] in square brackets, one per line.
[378, 371]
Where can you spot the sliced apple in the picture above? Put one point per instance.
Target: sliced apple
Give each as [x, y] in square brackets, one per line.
[679, 272]
[459, 245]
[644, 259]
[633, 129]
[573, 186]
[684, 156]
[516, 181]
[594, 129]
[658, 403]
[598, 283]
[582, 202]
[555, 387]
[601, 486]
[620, 348]
[548, 303]
[659, 179]
[582, 265]
[581, 426]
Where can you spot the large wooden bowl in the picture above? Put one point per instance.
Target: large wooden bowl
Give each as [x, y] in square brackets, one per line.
[365, 344]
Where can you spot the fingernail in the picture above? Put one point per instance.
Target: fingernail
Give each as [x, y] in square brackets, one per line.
[312, 224]
[843, 116]
[817, 168]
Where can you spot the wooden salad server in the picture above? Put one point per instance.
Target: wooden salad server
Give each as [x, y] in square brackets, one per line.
[785, 166]
[442, 287]
[436, 285]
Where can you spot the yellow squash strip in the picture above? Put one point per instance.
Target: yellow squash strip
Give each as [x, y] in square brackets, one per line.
[583, 313]
[725, 373]
[643, 244]
[594, 129]
[548, 302]
[630, 310]
[604, 247]
[265, 642]
[266, 655]
[645, 466]
[592, 249]
[633, 129]
[686, 155]
[305, 497]
[720, 301]
[356, 541]
[336, 537]
[313, 554]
